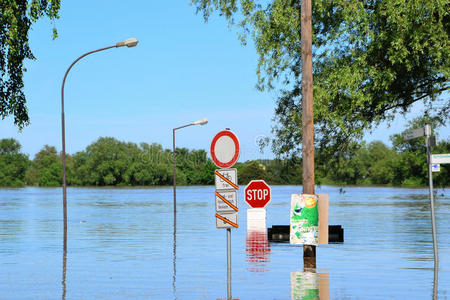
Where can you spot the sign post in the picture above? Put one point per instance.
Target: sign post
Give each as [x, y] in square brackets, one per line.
[416, 133]
[430, 176]
[225, 153]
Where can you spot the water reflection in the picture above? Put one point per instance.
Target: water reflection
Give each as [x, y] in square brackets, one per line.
[11, 231]
[309, 263]
[174, 278]
[64, 267]
[257, 250]
[435, 282]
[310, 285]
[257, 246]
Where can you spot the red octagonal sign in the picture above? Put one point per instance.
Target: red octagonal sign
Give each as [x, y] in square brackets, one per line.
[257, 194]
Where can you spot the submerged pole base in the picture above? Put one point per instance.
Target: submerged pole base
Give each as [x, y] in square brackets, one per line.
[309, 257]
[309, 251]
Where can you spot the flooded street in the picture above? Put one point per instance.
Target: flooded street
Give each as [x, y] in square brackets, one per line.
[122, 245]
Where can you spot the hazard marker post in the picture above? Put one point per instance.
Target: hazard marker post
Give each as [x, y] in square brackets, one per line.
[225, 153]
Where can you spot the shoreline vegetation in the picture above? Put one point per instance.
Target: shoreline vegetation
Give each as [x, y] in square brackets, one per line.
[108, 162]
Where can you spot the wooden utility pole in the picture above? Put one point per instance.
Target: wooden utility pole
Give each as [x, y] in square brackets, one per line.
[309, 251]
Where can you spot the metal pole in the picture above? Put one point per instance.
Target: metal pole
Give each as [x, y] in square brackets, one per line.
[63, 135]
[307, 109]
[174, 157]
[174, 184]
[430, 176]
[174, 214]
[175, 175]
[228, 263]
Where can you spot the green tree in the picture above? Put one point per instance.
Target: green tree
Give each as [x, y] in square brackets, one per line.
[151, 167]
[286, 171]
[81, 169]
[46, 168]
[31, 176]
[195, 166]
[413, 169]
[202, 168]
[372, 60]
[252, 170]
[351, 167]
[16, 18]
[382, 163]
[13, 164]
[108, 161]
[105, 162]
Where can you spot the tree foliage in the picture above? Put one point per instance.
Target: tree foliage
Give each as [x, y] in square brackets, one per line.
[16, 18]
[109, 162]
[13, 164]
[405, 164]
[372, 60]
[252, 170]
[46, 168]
[413, 154]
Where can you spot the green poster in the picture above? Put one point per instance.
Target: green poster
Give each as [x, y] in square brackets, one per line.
[304, 219]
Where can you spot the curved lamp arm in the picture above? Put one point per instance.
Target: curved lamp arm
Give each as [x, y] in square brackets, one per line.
[129, 43]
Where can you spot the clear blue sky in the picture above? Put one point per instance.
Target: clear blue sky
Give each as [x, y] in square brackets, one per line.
[182, 70]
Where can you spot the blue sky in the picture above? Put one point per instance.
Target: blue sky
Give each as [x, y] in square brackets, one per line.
[182, 70]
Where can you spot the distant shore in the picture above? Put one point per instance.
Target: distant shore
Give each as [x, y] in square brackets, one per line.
[110, 162]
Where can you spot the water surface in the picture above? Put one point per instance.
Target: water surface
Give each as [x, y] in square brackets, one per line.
[121, 245]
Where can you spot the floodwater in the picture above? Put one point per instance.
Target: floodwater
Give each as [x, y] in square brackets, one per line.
[122, 245]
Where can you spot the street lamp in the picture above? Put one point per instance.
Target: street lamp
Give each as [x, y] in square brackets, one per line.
[129, 43]
[199, 122]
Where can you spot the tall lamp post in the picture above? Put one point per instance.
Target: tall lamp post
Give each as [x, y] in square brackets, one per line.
[129, 43]
[199, 122]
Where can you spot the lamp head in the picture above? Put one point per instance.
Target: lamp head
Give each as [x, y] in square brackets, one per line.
[201, 122]
[129, 43]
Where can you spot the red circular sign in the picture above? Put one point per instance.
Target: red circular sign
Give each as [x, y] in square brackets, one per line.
[257, 193]
[225, 149]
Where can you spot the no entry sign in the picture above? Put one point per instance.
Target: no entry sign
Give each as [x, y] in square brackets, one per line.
[257, 193]
[225, 149]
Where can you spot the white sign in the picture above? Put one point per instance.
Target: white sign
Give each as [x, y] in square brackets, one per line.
[256, 220]
[226, 179]
[227, 220]
[221, 201]
[226, 198]
[414, 133]
[440, 158]
[435, 168]
[225, 149]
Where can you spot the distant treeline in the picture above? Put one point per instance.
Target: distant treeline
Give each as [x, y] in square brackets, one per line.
[109, 162]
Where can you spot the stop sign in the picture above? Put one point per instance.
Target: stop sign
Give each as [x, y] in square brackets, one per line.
[257, 194]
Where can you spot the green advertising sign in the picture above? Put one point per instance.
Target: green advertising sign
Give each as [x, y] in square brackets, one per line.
[304, 219]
